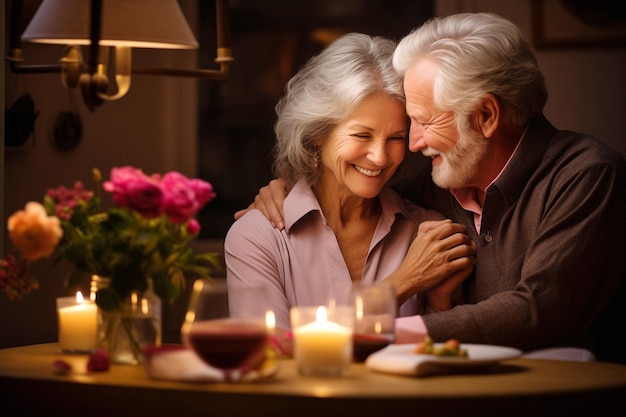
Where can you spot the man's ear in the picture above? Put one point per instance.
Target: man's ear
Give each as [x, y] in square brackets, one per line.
[487, 115]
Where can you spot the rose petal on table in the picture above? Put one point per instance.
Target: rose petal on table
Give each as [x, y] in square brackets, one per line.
[61, 367]
[98, 361]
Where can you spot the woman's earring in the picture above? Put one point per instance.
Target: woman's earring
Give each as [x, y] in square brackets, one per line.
[316, 159]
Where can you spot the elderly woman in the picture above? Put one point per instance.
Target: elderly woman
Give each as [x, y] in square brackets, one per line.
[341, 134]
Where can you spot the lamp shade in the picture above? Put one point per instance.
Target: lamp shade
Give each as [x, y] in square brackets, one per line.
[134, 23]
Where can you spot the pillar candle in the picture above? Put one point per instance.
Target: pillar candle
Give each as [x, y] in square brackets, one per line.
[323, 346]
[78, 323]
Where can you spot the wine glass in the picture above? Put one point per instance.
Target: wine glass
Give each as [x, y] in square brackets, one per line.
[234, 345]
[375, 307]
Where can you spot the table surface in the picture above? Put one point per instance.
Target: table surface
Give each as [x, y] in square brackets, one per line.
[28, 386]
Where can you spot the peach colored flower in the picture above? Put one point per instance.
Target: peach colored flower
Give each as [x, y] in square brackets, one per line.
[33, 232]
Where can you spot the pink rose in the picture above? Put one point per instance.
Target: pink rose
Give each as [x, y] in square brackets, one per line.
[181, 202]
[33, 232]
[145, 197]
[132, 188]
[204, 191]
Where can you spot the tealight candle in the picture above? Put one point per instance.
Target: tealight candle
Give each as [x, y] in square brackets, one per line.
[78, 323]
[322, 339]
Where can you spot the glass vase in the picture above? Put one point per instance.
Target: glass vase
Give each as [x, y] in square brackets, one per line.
[126, 331]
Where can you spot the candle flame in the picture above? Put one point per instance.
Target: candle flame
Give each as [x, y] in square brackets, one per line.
[358, 304]
[270, 320]
[133, 301]
[321, 314]
[190, 316]
[79, 297]
[378, 328]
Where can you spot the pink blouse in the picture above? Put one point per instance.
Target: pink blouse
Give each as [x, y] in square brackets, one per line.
[303, 265]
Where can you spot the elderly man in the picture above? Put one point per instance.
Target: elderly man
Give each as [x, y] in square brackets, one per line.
[546, 207]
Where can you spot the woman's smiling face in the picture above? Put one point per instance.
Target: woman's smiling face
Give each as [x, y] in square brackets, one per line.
[361, 154]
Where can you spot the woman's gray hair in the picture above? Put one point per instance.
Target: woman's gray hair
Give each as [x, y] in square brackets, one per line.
[477, 53]
[325, 92]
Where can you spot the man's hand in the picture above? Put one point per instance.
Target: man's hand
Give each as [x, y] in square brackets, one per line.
[439, 297]
[270, 201]
[442, 250]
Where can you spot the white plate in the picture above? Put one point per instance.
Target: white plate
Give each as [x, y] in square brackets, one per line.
[401, 359]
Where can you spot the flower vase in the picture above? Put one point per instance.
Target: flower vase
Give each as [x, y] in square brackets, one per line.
[126, 331]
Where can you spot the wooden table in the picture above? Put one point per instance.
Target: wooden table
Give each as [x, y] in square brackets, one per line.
[520, 387]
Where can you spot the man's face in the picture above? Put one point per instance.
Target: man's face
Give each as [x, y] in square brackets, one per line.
[455, 155]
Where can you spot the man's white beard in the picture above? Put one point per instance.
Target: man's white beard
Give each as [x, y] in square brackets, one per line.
[460, 165]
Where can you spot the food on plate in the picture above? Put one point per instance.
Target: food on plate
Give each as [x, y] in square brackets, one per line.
[452, 347]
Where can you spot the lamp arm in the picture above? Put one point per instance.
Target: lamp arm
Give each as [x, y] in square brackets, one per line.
[15, 64]
[224, 59]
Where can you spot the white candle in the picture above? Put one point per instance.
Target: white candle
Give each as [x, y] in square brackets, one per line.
[323, 346]
[78, 323]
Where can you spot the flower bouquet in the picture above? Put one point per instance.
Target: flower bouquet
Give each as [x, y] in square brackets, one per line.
[139, 246]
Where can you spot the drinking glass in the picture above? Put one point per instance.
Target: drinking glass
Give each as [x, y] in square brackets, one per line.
[375, 307]
[234, 345]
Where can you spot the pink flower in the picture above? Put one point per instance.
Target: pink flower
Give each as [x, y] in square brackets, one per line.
[61, 367]
[33, 232]
[193, 227]
[66, 199]
[133, 189]
[204, 191]
[180, 200]
[184, 197]
[99, 361]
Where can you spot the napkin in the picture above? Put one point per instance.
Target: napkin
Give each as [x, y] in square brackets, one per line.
[393, 360]
[179, 363]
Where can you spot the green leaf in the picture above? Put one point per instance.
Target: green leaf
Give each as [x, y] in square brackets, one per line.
[166, 290]
[49, 205]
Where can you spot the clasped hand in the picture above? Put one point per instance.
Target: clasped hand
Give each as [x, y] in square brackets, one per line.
[440, 258]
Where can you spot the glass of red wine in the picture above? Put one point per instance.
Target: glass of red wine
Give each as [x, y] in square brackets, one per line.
[375, 307]
[234, 345]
